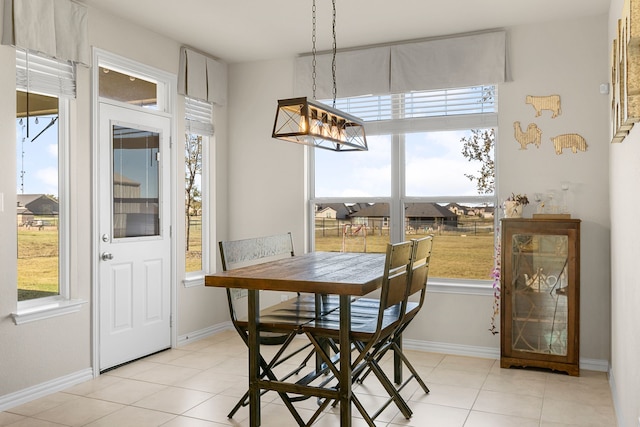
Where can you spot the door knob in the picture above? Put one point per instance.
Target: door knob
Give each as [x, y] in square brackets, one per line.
[106, 256]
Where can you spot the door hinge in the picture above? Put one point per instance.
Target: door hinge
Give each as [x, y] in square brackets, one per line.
[170, 231]
[171, 320]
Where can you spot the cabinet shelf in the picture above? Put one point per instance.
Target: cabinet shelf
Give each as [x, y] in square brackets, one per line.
[540, 294]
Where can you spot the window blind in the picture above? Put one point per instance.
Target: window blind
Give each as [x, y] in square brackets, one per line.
[412, 105]
[48, 76]
[198, 117]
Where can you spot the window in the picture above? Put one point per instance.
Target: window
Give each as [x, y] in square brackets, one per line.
[199, 128]
[129, 88]
[429, 170]
[44, 86]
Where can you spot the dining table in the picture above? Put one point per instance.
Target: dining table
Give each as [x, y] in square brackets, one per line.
[344, 274]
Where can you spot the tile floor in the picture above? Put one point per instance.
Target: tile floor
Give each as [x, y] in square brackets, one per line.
[196, 386]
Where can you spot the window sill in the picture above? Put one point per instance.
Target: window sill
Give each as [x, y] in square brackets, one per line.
[41, 310]
[193, 281]
[466, 287]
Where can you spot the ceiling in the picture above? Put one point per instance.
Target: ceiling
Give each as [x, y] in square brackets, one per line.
[250, 30]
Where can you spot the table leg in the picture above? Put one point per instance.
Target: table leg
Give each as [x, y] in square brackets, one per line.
[254, 357]
[345, 361]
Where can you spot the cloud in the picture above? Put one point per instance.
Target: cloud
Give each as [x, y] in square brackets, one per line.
[48, 177]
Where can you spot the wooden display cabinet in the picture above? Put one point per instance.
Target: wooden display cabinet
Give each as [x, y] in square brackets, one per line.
[540, 294]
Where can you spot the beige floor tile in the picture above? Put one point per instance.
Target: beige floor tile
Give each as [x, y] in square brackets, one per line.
[485, 419]
[516, 384]
[166, 374]
[199, 383]
[79, 412]
[174, 400]
[215, 382]
[198, 360]
[465, 363]
[93, 385]
[42, 404]
[181, 421]
[132, 369]
[456, 377]
[584, 414]
[425, 414]
[447, 395]
[33, 422]
[7, 418]
[517, 405]
[126, 391]
[216, 410]
[130, 416]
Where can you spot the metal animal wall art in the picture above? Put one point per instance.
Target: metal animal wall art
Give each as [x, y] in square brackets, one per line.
[533, 134]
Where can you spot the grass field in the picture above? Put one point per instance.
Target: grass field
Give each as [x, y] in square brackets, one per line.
[37, 262]
[454, 256]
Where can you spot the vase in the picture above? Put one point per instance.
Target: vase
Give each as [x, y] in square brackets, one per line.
[512, 209]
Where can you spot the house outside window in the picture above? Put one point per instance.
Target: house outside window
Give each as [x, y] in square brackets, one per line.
[422, 175]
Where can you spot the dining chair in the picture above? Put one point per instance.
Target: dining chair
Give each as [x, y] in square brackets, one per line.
[279, 324]
[369, 331]
[416, 290]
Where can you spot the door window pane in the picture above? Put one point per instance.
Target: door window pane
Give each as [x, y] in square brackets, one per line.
[135, 182]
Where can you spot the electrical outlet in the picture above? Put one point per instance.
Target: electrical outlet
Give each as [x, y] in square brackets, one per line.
[284, 297]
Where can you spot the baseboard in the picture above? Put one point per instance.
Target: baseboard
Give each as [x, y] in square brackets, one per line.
[456, 349]
[43, 389]
[203, 333]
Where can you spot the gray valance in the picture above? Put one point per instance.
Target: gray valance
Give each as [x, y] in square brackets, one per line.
[202, 77]
[358, 72]
[438, 63]
[449, 62]
[56, 28]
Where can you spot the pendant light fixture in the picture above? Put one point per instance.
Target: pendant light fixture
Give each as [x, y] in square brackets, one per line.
[313, 123]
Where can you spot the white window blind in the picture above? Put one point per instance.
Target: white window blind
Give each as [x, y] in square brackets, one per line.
[198, 117]
[40, 74]
[413, 105]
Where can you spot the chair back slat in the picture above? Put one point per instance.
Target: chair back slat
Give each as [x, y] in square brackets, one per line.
[240, 253]
[420, 264]
[394, 281]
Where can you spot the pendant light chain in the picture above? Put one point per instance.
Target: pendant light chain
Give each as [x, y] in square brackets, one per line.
[333, 64]
[313, 50]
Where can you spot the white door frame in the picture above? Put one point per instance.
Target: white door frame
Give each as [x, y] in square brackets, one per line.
[166, 104]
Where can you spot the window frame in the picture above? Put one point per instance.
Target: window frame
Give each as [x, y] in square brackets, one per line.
[51, 306]
[397, 129]
[199, 126]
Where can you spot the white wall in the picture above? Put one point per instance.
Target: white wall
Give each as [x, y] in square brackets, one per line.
[265, 172]
[569, 59]
[45, 351]
[625, 252]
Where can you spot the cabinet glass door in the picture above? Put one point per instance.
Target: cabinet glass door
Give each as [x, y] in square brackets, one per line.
[540, 293]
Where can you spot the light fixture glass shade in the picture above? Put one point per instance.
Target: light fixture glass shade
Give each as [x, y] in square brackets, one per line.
[303, 121]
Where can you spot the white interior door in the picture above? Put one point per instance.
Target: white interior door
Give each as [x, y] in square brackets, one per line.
[134, 243]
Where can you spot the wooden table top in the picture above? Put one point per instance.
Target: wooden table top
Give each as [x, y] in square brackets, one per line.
[316, 272]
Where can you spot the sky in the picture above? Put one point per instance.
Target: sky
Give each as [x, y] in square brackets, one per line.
[38, 158]
[433, 161]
